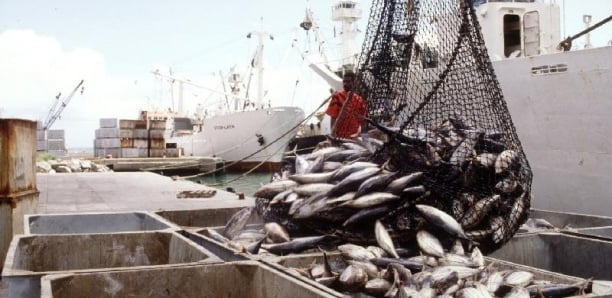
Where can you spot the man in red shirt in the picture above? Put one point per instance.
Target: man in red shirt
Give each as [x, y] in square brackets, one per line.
[346, 109]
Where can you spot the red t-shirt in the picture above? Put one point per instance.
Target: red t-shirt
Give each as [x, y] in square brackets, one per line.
[347, 119]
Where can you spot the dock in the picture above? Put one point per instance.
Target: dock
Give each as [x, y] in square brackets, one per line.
[164, 165]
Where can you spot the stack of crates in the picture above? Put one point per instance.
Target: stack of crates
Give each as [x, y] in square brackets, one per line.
[142, 139]
[56, 142]
[107, 142]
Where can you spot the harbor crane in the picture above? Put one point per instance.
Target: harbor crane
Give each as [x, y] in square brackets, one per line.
[56, 109]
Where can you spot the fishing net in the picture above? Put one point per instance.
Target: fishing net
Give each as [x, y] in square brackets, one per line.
[434, 100]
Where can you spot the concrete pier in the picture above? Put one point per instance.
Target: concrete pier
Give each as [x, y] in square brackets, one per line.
[126, 191]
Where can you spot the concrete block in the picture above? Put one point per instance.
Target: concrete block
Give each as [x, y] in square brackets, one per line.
[83, 223]
[126, 133]
[56, 145]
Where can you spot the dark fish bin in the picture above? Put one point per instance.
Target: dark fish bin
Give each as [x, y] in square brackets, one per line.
[83, 223]
[237, 279]
[566, 220]
[33, 256]
[566, 254]
[204, 217]
[219, 249]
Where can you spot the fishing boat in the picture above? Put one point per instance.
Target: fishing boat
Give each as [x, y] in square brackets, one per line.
[246, 133]
[558, 97]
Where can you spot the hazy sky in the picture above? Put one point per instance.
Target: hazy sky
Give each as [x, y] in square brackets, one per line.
[47, 47]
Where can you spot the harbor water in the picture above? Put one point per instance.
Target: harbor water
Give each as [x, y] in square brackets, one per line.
[235, 181]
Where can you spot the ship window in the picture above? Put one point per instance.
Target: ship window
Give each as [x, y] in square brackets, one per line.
[512, 34]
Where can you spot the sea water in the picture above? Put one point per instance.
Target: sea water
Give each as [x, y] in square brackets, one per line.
[235, 181]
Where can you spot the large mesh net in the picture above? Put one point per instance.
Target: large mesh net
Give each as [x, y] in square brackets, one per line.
[433, 98]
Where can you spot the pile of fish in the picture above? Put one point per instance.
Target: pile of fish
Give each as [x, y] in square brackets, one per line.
[464, 172]
[384, 271]
[430, 269]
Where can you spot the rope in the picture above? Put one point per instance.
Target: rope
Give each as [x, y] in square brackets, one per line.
[262, 148]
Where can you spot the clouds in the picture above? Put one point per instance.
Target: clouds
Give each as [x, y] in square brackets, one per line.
[35, 68]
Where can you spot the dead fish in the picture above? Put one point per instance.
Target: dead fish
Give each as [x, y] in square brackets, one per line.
[374, 183]
[498, 228]
[368, 267]
[377, 251]
[517, 215]
[255, 246]
[343, 155]
[477, 257]
[462, 271]
[351, 168]
[444, 277]
[518, 292]
[353, 278]
[414, 190]
[315, 166]
[236, 222]
[486, 160]
[276, 232]
[465, 150]
[377, 286]
[557, 290]
[396, 186]
[429, 244]
[295, 245]
[450, 259]
[366, 214]
[478, 212]
[494, 281]
[384, 239]
[301, 164]
[504, 160]
[507, 185]
[478, 235]
[355, 252]
[268, 191]
[216, 235]
[518, 279]
[310, 207]
[329, 166]
[442, 220]
[306, 178]
[307, 190]
[280, 197]
[324, 152]
[370, 200]
[352, 181]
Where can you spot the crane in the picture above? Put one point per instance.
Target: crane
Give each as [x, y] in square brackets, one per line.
[55, 111]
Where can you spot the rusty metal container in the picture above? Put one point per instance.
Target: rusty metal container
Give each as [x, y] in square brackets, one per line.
[18, 193]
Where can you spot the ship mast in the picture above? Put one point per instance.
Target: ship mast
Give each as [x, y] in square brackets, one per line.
[257, 62]
[347, 13]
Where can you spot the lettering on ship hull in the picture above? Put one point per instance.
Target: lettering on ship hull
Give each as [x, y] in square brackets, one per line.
[222, 127]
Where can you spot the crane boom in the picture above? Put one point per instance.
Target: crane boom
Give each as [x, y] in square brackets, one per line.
[56, 111]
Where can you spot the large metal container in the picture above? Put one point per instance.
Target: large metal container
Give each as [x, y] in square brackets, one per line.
[238, 279]
[18, 193]
[286, 263]
[202, 218]
[32, 256]
[567, 220]
[108, 122]
[567, 254]
[91, 222]
[17, 156]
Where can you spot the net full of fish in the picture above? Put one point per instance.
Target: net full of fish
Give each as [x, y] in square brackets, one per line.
[422, 182]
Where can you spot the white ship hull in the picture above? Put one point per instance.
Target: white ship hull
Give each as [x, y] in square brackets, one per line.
[564, 122]
[236, 137]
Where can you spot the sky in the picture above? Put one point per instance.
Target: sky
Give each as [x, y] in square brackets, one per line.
[47, 47]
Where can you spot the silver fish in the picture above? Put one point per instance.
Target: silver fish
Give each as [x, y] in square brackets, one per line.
[518, 292]
[355, 252]
[307, 190]
[352, 181]
[369, 268]
[504, 160]
[396, 186]
[377, 286]
[442, 220]
[276, 232]
[295, 245]
[429, 244]
[236, 222]
[323, 177]
[268, 191]
[486, 160]
[384, 239]
[353, 278]
[478, 212]
[323, 152]
[371, 199]
[216, 235]
[315, 166]
[518, 278]
[374, 183]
